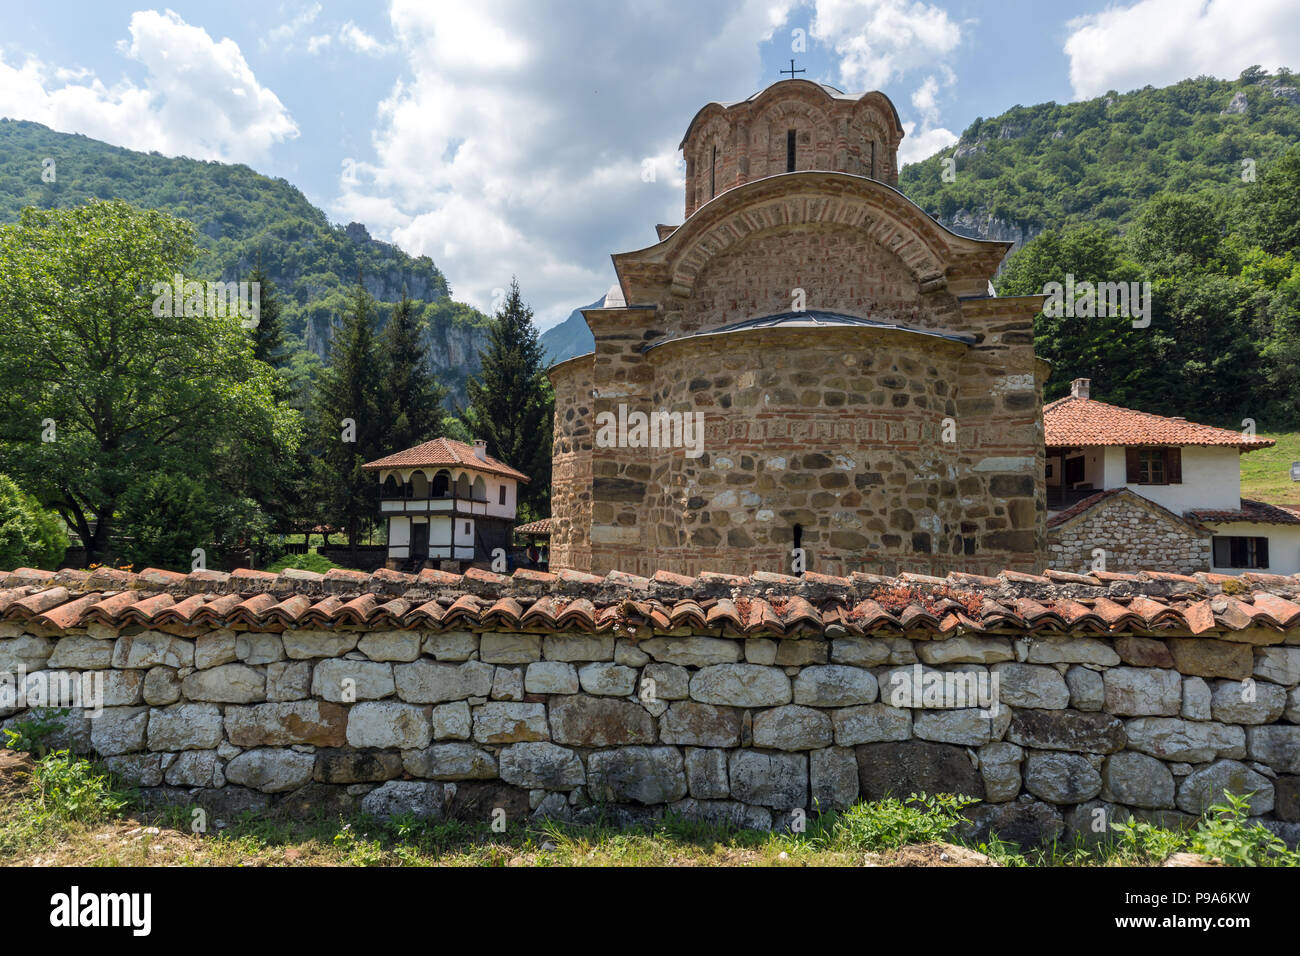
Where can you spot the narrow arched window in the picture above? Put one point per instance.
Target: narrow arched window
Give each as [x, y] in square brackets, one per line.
[789, 150]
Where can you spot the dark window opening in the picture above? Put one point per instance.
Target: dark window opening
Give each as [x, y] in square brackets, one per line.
[1234, 551]
[713, 174]
[441, 482]
[1153, 466]
[789, 151]
[502, 497]
[873, 160]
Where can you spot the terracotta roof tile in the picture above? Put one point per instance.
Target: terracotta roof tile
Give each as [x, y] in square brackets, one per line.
[1080, 422]
[444, 451]
[1251, 512]
[540, 527]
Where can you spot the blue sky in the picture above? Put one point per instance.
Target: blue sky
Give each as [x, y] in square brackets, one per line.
[510, 136]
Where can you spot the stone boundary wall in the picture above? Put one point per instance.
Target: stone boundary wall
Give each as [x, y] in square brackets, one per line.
[572, 725]
[1134, 533]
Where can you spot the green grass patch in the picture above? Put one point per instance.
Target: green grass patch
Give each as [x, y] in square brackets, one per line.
[1266, 474]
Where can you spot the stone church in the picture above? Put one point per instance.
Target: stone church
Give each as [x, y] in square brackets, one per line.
[863, 396]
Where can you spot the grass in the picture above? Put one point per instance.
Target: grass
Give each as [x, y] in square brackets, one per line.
[58, 809]
[1266, 474]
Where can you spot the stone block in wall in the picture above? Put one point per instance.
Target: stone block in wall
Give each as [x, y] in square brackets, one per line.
[1186, 741]
[271, 770]
[801, 653]
[451, 645]
[1277, 746]
[860, 651]
[346, 681]
[356, 766]
[288, 680]
[760, 650]
[1203, 657]
[833, 778]
[1087, 688]
[700, 725]
[971, 726]
[541, 765]
[1061, 778]
[723, 813]
[706, 773]
[284, 724]
[551, 677]
[81, 653]
[1031, 685]
[1143, 692]
[123, 688]
[916, 766]
[504, 722]
[26, 652]
[256, 649]
[1138, 780]
[452, 721]
[193, 768]
[185, 727]
[402, 797]
[508, 683]
[647, 775]
[1246, 702]
[776, 780]
[119, 730]
[1286, 793]
[1197, 699]
[792, 727]
[1293, 705]
[1000, 770]
[71, 728]
[1092, 821]
[1071, 650]
[835, 685]
[693, 651]
[140, 769]
[1027, 822]
[151, 648]
[214, 648]
[388, 723]
[423, 682]
[1204, 787]
[967, 649]
[1072, 730]
[161, 686]
[505, 648]
[578, 647]
[453, 761]
[629, 653]
[226, 684]
[670, 682]
[585, 721]
[309, 644]
[604, 679]
[1143, 652]
[1281, 665]
[741, 685]
[390, 645]
[871, 723]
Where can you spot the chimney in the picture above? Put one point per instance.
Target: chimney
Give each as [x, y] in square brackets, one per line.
[1080, 387]
[480, 449]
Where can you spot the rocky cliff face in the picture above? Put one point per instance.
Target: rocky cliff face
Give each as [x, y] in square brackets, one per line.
[979, 224]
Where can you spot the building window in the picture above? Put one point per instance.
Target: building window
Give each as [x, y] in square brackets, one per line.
[1238, 551]
[713, 174]
[1153, 466]
[501, 498]
[789, 151]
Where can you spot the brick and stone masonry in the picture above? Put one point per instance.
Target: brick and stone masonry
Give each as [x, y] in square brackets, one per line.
[719, 698]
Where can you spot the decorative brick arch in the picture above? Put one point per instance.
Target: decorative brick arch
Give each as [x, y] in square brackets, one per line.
[862, 203]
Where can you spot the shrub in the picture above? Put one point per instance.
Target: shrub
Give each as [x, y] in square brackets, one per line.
[891, 823]
[30, 536]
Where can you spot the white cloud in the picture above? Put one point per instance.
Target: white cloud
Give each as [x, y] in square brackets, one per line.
[200, 97]
[355, 38]
[281, 38]
[1159, 42]
[877, 41]
[921, 144]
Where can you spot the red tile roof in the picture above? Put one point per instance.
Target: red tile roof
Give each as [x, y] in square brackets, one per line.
[762, 604]
[1070, 421]
[1087, 504]
[535, 527]
[1255, 512]
[445, 451]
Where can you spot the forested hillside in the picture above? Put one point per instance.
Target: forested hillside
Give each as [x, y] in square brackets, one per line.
[1056, 165]
[242, 216]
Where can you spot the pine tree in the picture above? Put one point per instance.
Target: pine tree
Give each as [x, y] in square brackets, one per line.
[346, 422]
[268, 334]
[410, 397]
[510, 403]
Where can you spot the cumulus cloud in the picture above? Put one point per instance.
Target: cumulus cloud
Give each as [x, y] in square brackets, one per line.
[879, 40]
[355, 38]
[1159, 42]
[200, 97]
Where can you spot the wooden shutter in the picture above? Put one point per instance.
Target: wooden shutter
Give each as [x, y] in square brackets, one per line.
[1132, 468]
[1222, 552]
[1261, 553]
[1174, 466]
